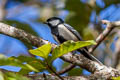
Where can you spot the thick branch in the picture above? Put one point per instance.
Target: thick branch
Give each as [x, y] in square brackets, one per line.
[21, 35]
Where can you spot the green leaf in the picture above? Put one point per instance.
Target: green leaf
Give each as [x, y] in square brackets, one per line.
[31, 64]
[28, 59]
[1, 76]
[25, 66]
[15, 76]
[116, 78]
[6, 61]
[26, 63]
[69, 46]
[24, 71]
[75, 72]
[42, 51]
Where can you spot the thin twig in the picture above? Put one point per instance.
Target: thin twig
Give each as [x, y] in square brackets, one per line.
[54, 71]
[66, 69]
[103, 35]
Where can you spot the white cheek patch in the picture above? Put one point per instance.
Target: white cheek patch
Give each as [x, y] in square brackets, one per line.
[55, 22]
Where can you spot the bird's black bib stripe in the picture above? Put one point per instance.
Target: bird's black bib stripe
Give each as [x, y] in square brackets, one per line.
[57, 36]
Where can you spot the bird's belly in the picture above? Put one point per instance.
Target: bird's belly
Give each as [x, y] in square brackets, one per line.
[66, 34]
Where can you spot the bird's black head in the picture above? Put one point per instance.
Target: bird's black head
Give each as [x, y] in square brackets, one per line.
[54, 22]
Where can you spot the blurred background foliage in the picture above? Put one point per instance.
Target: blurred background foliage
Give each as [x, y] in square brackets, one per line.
[83, 15]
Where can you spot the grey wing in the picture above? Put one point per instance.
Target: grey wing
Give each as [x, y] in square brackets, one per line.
[73, 31]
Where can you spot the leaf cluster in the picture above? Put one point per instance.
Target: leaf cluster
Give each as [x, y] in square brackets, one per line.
[31, 64]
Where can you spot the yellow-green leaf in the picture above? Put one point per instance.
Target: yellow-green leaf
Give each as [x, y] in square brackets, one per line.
[42, 51]
[116, 78]
[69, 46]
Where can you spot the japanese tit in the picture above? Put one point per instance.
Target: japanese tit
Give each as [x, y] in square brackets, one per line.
[63, 32]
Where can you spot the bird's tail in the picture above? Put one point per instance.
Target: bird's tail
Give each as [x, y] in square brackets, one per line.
[88, 55]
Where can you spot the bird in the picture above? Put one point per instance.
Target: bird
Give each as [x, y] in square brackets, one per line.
[62, 32]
